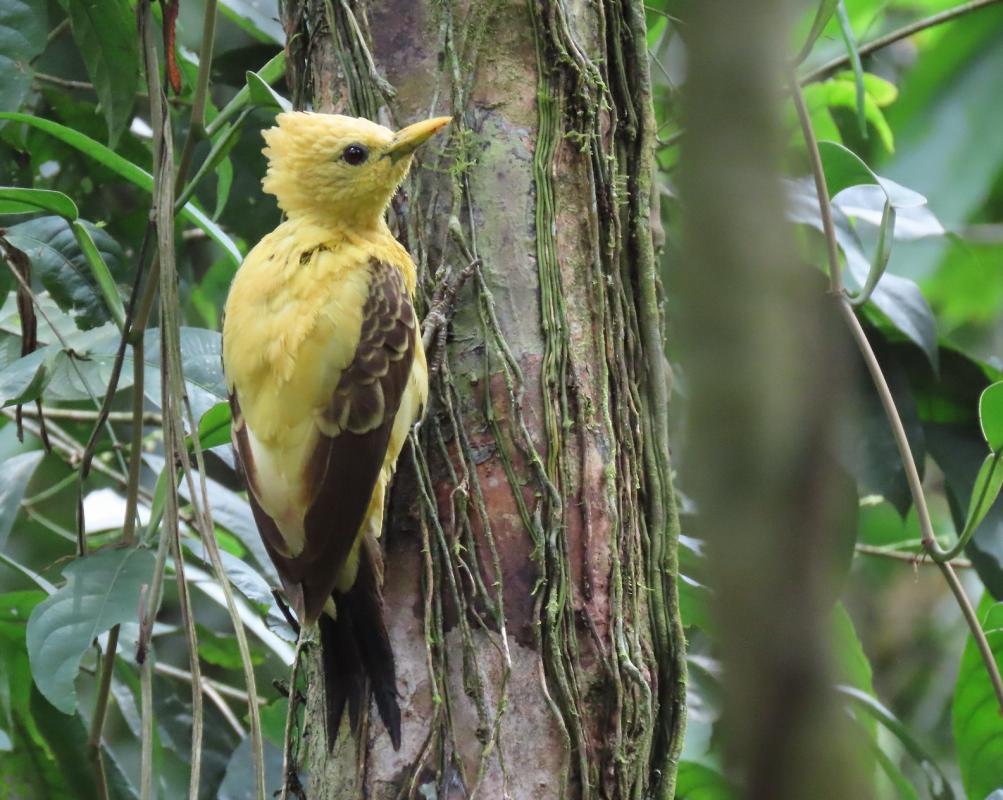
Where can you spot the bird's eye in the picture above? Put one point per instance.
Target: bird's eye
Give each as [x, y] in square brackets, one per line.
[355, 154]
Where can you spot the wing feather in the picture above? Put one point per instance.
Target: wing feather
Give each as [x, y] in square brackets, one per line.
[350, 446]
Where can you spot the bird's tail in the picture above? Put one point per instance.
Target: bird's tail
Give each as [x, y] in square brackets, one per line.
[357, 656]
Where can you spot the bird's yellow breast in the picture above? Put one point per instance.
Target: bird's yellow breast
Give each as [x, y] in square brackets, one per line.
[291, 327]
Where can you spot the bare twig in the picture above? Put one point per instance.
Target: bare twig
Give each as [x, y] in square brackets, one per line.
[440, 314]
[83, 415]
[916, 559]
[222, 689]
[196, 128]
[821, 189]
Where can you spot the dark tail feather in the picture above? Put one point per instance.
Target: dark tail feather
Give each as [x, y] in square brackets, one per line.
[357, 655]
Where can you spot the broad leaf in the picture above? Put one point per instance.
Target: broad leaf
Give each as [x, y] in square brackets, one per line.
[238, 782]
[202, 365]
[23, 28]
[214, 427]
[248, 581]
[25, 379]
[258, 18]
[63, 268]
[231, 512]
[105, 33]
[898, 298]
[15, 472]
[15, 200]
[101, 591]
[823, 13]
[126, 169]
[991, 416]
[264, 96]
[978, 724]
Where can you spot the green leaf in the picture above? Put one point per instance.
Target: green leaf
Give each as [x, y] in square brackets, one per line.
[699, 781]
[101, 591]
[232, 512]
[214, 427]
[255, 20]
[23, 30]
[14, 200]
[15, 472]
[846, 94]
[987, 488]
[978, 725]
[242, 575]
[238, 783]
[222, 650]
[991, 416]
[105, 33]
[264, 96]
[846, 28]
[100, 273]
[64, 268]
[825, 10]
[273, 720]
[937, 784]
[270, 73]
[125, 169]
[25, 379]
[224, 182]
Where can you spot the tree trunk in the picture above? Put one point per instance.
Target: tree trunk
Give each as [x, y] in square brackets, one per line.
[531, 544]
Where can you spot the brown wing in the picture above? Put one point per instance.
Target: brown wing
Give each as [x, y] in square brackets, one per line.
[349, 454]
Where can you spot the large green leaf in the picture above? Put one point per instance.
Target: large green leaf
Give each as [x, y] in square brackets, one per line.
[25, 379]
[126, 169]
[63, 268]
[101, 591]
[23, 29]
[978, 724]
[105, 33]
[15, 473]
[15, 200]
[66, 739]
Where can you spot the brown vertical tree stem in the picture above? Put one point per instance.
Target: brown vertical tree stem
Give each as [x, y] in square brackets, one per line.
[530, 580]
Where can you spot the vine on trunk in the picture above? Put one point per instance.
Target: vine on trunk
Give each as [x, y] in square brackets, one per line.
[571, 416]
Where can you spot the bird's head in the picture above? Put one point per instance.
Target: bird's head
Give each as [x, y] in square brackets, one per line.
[339, 168]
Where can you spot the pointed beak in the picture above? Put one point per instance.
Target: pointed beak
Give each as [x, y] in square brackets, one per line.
[407, 140]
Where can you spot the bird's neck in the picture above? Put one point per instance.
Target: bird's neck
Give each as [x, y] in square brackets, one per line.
[374, 237]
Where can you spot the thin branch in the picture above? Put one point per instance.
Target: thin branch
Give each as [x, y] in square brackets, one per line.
[895, 36]
[83, 415]
[888, 403]
[223, 689]
[63, 83]
[821, 188]
[101, 712]
[196, 129]
[872, 46]
[290, 775]
[916, 559]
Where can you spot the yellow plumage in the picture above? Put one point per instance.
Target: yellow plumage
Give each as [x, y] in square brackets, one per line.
[323, 356]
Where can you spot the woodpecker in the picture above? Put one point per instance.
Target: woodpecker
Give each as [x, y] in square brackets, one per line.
[326, 374]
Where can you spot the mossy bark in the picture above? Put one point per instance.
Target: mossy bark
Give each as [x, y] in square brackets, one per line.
[531, 544]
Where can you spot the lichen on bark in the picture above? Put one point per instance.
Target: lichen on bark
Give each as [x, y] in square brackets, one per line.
[530, 582]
